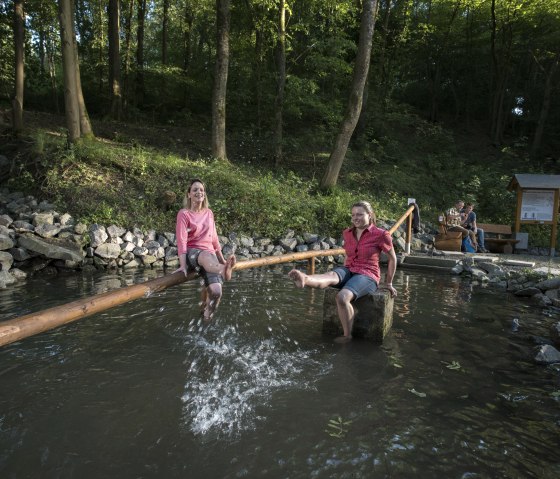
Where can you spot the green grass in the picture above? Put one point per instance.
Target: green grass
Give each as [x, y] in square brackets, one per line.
[119, 181]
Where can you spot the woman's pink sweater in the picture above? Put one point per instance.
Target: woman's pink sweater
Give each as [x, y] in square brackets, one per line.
[196, 229]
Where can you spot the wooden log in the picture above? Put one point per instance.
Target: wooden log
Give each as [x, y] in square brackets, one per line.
[34, 323]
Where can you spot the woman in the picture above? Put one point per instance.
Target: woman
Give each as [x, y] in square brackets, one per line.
[198, 246]
[360, 275]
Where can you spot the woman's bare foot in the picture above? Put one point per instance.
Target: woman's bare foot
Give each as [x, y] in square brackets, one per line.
[343, 339]
[297, 277]
[228, 270]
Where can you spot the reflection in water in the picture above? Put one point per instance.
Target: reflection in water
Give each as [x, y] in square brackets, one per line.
[148, 390]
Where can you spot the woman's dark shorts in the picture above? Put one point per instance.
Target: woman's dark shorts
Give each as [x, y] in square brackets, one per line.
[192, 265]
[359, 284]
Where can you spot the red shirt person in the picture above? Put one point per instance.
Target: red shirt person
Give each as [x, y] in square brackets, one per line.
[360, 275]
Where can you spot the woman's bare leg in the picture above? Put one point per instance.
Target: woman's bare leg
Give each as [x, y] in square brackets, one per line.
[213, 296]
[210, 263]
[315, 280]
[345, 314]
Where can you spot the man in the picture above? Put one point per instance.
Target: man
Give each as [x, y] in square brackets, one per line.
[455, 219]
[470, 223]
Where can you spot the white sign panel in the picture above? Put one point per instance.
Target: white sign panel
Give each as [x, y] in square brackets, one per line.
[537, 205]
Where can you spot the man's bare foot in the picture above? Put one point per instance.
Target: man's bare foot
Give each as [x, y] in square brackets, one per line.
[228, 270]
[297, 277]
[343, 339]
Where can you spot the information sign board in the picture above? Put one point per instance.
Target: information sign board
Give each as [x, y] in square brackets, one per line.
[537, 205]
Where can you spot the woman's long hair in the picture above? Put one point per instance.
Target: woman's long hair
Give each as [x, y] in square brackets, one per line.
[187, 200]
[366, 206]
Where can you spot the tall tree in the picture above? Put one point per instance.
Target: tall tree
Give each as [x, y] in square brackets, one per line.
[17, 102]
[164, 32]
[77, 119]
[354, 107]
[220, 80]
[115, 59]
[67, 35]
[280, 82]
[545, 107]
[140, 52]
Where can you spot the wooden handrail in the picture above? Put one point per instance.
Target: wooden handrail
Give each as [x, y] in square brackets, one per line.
[22, 327]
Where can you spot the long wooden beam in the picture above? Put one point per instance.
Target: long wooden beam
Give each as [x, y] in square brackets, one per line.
[35, 323]
[22, 327]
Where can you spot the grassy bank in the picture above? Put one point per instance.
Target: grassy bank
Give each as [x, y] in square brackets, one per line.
[120, 176]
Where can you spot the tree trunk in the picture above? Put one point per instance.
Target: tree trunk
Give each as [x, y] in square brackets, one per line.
[537, 139]
[281, 83]
[17, 102]
[128, 33]
[220, 80]
[187, 37]
[115, 59]
[85, 124]
[67, 35]
[354, 107]
[140, 53]
[164, 32]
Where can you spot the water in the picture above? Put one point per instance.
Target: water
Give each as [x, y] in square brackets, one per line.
[146, 390]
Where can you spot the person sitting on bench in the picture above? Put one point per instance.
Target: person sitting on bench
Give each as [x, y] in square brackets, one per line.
[454, 220]
[470, 223]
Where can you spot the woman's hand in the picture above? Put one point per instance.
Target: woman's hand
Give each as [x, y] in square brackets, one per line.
[389, 287]
[181, 268]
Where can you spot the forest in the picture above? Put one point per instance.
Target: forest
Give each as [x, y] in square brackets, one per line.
[385, 98]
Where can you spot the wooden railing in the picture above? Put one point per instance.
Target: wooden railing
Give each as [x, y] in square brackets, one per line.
[35, 323]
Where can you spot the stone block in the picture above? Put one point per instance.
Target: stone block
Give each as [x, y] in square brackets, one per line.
[373, 319]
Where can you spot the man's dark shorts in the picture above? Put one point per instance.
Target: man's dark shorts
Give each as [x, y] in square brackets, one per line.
[192, 265]
[359, 284]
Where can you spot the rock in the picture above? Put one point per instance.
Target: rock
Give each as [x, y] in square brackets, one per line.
[300, 248]
[555, 333]
[246, 241]
[553, 283]
[140, 251]
[547, 354]
[541, 300]
[148, 259]
[134, 263]
[80, 229]
[491, 268]
[6, 279]
[6, 261]
[310, 238]
[108, 250]
[115, 231]
[18, 274]
[47, 230]
[66, 220]
[97, 235]
[22, 226]
[20, 254]
[51, 247]
[288, 244]
[5, 242]
[43, 219]
[553, 293]
[527, 292]
[5, 220]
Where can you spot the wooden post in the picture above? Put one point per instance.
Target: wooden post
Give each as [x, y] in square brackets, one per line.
[311, 266]
[518, 210]
[554, 225]
[373, 319]
[408, 233]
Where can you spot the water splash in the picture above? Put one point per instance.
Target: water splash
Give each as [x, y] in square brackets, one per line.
[231, 376]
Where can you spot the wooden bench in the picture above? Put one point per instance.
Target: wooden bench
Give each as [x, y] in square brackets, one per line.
[447, 240]
[497, 243]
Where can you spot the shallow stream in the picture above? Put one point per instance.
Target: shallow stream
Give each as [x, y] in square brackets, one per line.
[145, 390]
